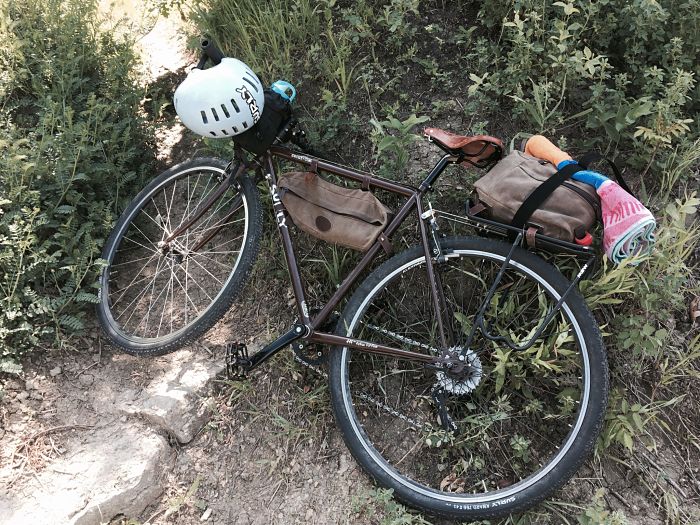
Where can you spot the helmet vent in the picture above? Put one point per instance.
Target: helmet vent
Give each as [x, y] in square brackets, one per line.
[224, 132]
[216, 115]
[235, 129]
[212, 134]
[225, 110]
[235, 106]
[252, 84]
[245, 125]
[204, 117]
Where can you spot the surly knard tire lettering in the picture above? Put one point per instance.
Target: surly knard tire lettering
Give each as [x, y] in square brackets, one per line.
[378, 404]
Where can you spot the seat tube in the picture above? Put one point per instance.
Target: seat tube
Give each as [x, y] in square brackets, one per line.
[435, 288]
[281, 218]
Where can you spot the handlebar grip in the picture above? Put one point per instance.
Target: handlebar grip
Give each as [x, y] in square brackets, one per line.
[211, 50]
[541, 147]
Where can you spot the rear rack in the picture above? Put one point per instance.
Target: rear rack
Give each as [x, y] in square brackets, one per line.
[544, 242]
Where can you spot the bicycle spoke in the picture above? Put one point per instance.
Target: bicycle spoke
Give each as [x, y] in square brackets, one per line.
[152, 250]
[157, 292]
[138, 296]
[505, 414]
[134, 281]
[186, 294]
[211, 259]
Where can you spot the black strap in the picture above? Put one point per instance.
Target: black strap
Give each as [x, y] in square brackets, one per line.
[593, 156]
[541, 193]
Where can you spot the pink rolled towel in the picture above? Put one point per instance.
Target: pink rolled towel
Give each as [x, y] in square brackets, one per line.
[628, 225]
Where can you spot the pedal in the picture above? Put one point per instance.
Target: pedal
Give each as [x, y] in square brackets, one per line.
[237, 361]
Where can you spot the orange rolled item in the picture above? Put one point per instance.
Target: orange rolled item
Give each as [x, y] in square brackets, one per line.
[542, 148]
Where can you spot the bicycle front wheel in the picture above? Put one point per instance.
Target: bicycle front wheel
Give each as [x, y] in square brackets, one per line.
[157, 296]
[525, 419]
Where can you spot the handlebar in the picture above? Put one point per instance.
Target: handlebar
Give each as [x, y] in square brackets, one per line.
[210, 52]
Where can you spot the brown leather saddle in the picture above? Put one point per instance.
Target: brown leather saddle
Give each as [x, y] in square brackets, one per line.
[477, 150]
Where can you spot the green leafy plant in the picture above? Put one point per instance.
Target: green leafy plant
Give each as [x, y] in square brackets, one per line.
[627, 422]
[395, 144]
[379, 506]
[73, 146]
[597, 514]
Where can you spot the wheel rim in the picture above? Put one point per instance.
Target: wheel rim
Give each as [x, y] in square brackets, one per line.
[362, 398]
[153, 293]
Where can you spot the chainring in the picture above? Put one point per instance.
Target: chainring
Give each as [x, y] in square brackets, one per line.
[309, 353]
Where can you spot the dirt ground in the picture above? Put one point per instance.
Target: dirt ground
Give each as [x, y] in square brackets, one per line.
[270, 454]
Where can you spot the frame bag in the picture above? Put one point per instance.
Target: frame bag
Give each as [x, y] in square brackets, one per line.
[527, 192]
[353, 218]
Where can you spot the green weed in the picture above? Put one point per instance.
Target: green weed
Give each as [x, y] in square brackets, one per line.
[395, 144]
[626, 422]
[268, 36]
[379, 506]
[74, 146]
[597, 514]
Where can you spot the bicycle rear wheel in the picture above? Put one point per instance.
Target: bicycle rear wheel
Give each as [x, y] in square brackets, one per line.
[526, 420]
[157, 297]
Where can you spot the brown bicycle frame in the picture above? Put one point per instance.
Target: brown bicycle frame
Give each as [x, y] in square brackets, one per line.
[306, 327]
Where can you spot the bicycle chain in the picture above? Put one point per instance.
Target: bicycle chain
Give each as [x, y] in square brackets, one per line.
[367, 397]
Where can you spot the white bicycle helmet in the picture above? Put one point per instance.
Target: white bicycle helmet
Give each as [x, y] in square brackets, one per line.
[221, 101]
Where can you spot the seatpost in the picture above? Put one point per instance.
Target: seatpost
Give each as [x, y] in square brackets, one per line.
[427, 184]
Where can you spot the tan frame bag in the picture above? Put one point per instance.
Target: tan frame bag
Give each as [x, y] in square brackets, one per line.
[353, 218]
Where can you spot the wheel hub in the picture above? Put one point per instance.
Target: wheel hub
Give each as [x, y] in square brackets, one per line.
[175, 250]
[460, 380]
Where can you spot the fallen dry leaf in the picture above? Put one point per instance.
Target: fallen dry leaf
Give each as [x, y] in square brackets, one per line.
[695, 309]
[451, 483]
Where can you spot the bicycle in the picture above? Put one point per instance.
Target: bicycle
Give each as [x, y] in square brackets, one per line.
[466, 373]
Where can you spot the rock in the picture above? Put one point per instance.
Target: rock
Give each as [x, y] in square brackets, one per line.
[105, 472]
[344, 464]
[174, 401]
[206, 515]
[36, 395]
[23, 395]
[29, 384]
[55, 371]
[86, 379]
